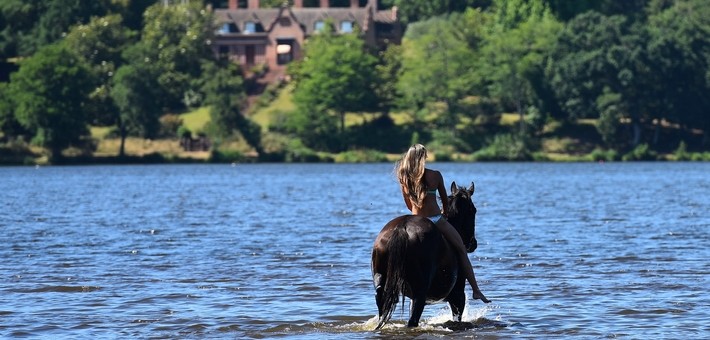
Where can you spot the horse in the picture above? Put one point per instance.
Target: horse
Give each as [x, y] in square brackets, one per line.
[412, 258]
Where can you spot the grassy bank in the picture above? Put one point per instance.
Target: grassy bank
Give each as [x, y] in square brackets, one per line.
[577, 142]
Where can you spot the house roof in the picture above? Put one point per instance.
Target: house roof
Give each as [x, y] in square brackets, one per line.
[306, 17]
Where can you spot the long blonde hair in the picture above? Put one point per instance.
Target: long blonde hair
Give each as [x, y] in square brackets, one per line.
[410, 173]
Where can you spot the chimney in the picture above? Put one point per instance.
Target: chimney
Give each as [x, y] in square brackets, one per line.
[233, 4]
[297, 3]
[253, 4]
[354, 3]
[324, 4]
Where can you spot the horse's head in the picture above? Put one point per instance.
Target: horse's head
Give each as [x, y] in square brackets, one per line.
[462, 214]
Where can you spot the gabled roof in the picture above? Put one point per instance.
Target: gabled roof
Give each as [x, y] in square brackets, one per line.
[306, 17]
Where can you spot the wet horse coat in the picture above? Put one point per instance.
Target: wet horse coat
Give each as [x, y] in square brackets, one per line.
[411, 257]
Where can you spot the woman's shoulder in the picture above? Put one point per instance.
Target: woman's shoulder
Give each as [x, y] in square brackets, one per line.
[428, 171]
[433, 175]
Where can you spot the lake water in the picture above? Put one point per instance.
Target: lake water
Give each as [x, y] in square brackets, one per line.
[580, 250]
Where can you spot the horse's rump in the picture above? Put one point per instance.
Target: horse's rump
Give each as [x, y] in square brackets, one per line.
[411, 258]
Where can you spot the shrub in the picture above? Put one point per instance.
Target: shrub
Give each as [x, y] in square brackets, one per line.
[641, 153]
[225, 156]
[380, 133]
[540, 157]
[504, 147]
[681, 153]
[700, 156]
[360, 156]
[169, 125]
[443, 156]
[604, 155]
[184, 132]
[299, 153]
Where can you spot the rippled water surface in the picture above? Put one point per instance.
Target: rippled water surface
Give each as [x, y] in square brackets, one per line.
[283, 251]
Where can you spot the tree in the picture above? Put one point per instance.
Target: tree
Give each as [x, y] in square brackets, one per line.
[516, 50]
[566, 10]
[134, 90]
[50, 91]
[132, 12]
[225, 95]
[336, 75]
[100, 44]
[9, 126]
[679, 54]
[597, 58]
[29, 25]
[437, 67]
[411, 11]
[388, 69]
[176, 40]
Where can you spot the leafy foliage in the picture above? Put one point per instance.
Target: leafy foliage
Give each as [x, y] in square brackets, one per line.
[100, 44]
[335, 76]
[49, 93]
[599, 58]
[225, 96]
[134, 92]
[175, 40]
[437, 66]
[516, 52]
[505, 147]
[633, 68]
[679, 55]
[26, 26]
[420, 10]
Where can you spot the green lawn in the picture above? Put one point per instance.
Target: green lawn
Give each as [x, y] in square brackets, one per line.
[195, 120]
[281, 105]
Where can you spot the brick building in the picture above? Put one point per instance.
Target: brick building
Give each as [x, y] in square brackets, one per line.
[272, 37]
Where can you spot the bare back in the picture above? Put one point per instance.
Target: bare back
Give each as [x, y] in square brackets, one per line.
[435, 185]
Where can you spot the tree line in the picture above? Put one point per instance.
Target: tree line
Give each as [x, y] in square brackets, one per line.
[636, 68]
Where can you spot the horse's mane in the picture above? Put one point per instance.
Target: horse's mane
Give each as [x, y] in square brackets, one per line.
[458, 194]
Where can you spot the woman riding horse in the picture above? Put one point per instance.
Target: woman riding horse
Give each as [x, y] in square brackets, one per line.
[419, 188]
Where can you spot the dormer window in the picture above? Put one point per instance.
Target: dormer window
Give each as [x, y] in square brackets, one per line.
[320, 26]
[346, 27]
[228, 28]
[249, 27]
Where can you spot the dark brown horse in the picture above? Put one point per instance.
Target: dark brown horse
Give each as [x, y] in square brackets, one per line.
[411, 258]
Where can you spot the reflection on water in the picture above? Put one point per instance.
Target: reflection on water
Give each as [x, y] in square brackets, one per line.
[272, 250]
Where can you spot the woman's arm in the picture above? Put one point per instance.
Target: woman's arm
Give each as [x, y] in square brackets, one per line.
[442, 194]
[406, 198]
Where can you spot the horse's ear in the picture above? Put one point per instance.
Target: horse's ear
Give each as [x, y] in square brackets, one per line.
[453, 187]
[471, 189]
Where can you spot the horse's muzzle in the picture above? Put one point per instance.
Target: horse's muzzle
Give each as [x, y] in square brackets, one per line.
[472, 245]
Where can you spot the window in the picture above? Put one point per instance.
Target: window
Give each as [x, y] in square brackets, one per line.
[320, 25]
[284, 51]
[346, 27]
[249, 27]
[228, 28]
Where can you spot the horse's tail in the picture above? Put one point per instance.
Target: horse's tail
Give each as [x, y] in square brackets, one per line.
[394, 285]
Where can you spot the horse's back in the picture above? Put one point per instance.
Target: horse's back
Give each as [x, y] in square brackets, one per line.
[417, 227]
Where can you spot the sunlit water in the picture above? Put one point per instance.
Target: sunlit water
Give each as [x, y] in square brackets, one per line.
[283, 251]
